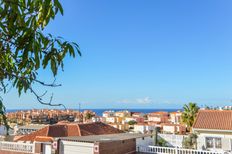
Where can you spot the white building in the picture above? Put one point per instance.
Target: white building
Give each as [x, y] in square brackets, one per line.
[143, 128]
[108, 114]
[214, 130]
[27, 129]
[110, 119]
[175, 117]
[97, 144]
[174, 128]
[127, 119]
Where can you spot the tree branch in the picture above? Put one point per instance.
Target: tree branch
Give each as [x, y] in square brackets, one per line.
[40, 99]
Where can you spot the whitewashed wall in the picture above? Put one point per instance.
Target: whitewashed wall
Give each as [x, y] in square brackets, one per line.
[146, 141]
[172, 139]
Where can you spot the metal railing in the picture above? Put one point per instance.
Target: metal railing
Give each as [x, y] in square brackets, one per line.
[169, 150]
[19, 147]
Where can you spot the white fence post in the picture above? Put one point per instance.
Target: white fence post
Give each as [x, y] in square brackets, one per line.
[19, 147]
[176, 150]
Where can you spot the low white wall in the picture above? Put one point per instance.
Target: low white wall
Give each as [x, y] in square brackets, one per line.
[146, 141]
[172, 139]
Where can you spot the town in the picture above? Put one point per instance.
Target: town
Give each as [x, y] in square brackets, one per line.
[115, 77]
[70, 131]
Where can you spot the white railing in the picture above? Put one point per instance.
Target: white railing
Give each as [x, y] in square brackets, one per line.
[19, 147]
[168, 150]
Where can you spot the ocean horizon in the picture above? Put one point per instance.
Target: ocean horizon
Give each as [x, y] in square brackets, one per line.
[100, 111]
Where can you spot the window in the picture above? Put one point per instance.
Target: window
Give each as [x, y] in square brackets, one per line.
[218, 143]
[213, 142]
[209, 142]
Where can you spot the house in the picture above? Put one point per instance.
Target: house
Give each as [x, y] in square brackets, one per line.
[124, 143]
[120, 126]
[214, 129]
[173, 128]
[120, 120]
[139, 119]
[125, 113]
[127, 119]
[110, 119]
[108, 114]
[69, 129]
[137, 114]
[96, 119]
[175, 117]
[27, 129]
[143, 128]
[158, 117]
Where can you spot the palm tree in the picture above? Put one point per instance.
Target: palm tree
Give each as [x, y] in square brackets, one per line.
[189, 114]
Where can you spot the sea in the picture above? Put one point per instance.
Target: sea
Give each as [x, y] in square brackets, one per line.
[100, 111]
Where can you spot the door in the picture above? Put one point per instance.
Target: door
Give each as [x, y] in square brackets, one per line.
[69, 147]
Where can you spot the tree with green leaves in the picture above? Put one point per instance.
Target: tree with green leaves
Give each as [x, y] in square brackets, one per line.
[132, 122]
[190, 142]
[189, 114]
[25, 48]
[89, 116]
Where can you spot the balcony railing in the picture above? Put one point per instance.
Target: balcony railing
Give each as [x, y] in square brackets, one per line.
[168, 150]
[19, 147]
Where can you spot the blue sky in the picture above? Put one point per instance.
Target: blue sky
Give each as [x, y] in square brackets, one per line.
[142, 54]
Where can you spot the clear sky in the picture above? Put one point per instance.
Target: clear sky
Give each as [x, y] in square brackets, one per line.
[142, 54]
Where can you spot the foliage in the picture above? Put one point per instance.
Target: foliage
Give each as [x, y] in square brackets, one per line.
[89, 115]
[189, 114]
[190, 142]
[161, 142]
[132, 122]
[25, 47]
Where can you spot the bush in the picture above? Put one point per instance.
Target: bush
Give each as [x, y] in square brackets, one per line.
[161, 142]
[132, 122]
[190, 142]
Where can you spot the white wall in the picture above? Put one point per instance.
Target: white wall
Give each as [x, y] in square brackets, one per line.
[172, 139]
[170, 129]
[111, 119]
[226, 140]
[146, 141]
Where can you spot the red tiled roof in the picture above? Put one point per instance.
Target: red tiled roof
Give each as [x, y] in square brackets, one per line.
[175, 112]
[97, 128]
[159, 113]
[213, 119]
[43, 139]
[65, 130]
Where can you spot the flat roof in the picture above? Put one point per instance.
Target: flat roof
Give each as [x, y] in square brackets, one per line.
[105, 138]
[32, 126]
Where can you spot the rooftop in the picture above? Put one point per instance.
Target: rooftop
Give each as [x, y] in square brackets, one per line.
[158, 113]
[213, 119]
[71, 129]
[106, 138]
[32, 127]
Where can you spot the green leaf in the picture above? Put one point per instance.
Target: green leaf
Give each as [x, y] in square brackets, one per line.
[59, 6]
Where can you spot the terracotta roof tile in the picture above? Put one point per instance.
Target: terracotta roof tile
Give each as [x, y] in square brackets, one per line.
[213, 119]
[97, 129]
[159, 113]
[43, 139]
[74, 129]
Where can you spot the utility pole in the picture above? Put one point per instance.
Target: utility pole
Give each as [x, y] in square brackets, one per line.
[80, 112]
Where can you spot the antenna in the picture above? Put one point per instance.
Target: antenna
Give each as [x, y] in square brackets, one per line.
[79, 112]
